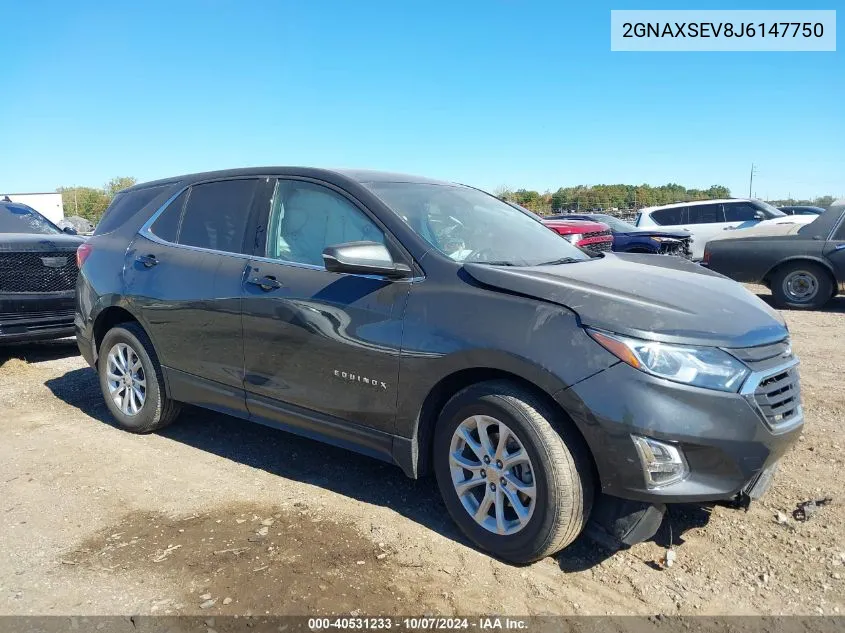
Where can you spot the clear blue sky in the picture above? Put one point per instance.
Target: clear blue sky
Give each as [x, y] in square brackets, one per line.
[488, 92]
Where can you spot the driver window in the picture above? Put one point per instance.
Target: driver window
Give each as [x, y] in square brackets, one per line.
[306, 218]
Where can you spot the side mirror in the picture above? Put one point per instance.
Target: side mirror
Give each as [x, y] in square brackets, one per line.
[759, 215]
[69, 230]
[363, 258]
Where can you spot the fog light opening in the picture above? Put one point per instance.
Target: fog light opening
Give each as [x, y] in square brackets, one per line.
[663, 463]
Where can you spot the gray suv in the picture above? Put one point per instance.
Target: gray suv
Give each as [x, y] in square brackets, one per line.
[433, 326]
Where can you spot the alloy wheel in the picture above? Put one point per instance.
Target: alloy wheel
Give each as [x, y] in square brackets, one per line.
[126, 379]
[492, 475]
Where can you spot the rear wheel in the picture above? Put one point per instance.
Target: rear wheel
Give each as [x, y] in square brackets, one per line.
[801, 285]
[515, 485]
[132, 382]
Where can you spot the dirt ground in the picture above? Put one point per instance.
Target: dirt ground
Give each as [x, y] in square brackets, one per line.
[216, 516]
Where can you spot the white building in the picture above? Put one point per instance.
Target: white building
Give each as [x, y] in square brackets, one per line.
[47, 204]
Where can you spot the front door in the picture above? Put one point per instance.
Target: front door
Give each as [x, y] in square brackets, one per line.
[317, 341]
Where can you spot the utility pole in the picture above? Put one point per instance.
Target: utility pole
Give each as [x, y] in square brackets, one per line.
[751, 179]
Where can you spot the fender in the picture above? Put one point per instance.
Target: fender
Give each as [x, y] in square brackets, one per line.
[811, 258]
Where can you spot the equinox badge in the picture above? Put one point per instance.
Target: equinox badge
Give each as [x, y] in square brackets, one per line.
[345, 375]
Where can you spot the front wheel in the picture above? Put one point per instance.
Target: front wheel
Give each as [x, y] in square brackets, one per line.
[516, 485]
[802, 285]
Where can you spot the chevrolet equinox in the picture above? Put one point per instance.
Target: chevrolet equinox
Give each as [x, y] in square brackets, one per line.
[436, 327]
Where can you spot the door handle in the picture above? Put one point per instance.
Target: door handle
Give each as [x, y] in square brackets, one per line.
[147, 260]
[266, 283]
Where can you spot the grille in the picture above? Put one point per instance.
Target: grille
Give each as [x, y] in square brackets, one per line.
[13, 317]
[598, 246]
[779, 396]
[27, 272]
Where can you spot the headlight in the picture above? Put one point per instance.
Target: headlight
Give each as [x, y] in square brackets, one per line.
[707, 367]
[666, 239]
[573, 237]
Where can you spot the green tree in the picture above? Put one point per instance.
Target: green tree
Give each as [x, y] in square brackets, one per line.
[116, 184]
[91, 202]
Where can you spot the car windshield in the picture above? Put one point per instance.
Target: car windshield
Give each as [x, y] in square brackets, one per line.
[773, 211]
[469, 225]
[19, 218]
[614, 223]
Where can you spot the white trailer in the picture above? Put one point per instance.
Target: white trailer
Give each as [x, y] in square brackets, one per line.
[47, 204]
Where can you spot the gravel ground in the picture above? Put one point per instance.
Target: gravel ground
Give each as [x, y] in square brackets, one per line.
[216, 516]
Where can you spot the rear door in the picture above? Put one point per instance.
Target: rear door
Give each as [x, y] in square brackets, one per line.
[184, 275]
[318, 342]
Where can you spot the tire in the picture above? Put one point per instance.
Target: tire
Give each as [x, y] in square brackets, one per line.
[560, 468]
[156, 410]
[802, 286]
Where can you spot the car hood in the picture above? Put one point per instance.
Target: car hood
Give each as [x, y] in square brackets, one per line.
[37, 242]
[668, 299]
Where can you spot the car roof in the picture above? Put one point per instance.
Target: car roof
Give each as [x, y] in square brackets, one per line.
[360, 176]
[693, 203]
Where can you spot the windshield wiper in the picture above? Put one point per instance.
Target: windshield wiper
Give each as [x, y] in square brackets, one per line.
[493, 263]
[562, 260]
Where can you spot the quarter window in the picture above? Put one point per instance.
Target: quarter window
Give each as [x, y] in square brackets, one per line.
[706, 214]
[124, 205]
[216, 215]
[306, 218]
[669, 217]
[166, 225]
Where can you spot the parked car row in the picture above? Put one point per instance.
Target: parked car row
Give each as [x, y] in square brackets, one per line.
[705, 219]
[431, 325]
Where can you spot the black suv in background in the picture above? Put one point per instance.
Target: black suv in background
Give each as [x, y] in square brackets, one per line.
[433, 326]
[37, 275]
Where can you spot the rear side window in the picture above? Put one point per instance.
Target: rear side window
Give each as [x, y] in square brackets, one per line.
[740, 212]
[706, 214]
[216, 215]
[124, 205]
[668, 217]
[166, 225]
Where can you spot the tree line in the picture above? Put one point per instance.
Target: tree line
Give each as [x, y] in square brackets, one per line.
[91, 202]
[624, 198]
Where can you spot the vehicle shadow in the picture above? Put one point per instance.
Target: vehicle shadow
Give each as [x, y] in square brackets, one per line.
[834, 306]
[284, 454]
[584, 554]
[308, 461]
[39, 351]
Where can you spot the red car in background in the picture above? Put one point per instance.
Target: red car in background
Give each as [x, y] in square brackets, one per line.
[592, 236]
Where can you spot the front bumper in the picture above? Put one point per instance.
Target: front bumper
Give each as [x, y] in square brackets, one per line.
[726, 439]
[36, 316]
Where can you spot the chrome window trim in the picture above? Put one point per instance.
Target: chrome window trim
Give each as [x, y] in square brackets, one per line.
[146, 232]
[836, 226]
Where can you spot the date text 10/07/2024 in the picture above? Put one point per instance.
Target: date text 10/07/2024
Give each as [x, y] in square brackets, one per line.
[418, 623]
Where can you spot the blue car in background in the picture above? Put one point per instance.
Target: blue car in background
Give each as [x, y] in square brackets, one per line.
[628, 238]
